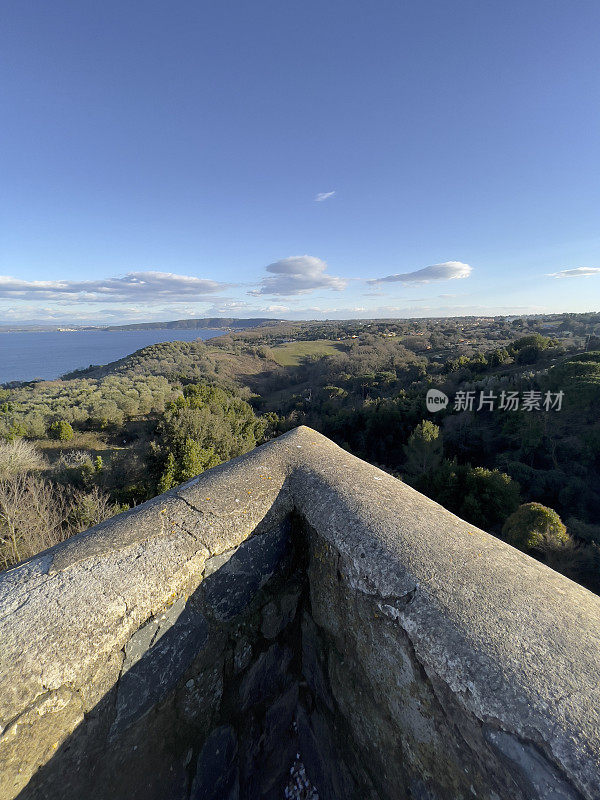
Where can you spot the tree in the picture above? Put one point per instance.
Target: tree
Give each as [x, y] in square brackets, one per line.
[527, 350]
[87, 509]
[424, 449]
[489, 495]
[31, 518]
[217, 420]
[484, 497]
[581, 374]
[593, 343]
[535, 527]
[533, 340]
[195, 459]
[528, 355]
[61, 430]
[168, 479]
[201, 428]
[498, 356]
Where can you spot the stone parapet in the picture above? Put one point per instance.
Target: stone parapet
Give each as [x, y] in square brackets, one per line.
[295, 600]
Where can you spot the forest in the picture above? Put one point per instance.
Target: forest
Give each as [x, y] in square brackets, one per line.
[515, 451]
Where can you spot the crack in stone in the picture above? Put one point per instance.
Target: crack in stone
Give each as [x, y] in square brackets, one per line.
[39, 700]
[209, 512]
[397, 602]
[445, 688]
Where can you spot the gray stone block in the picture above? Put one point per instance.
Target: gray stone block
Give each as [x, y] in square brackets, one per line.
[279, 719]
[200, 698]
[313, 667]
[156, 658]
[217, 774]
[266, 678]
[536, 775]
[322, 761]
[278, 614]
[233, 579]
[242, 654]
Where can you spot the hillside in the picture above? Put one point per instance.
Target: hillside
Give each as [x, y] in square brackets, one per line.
[132, 428]
[216, 323]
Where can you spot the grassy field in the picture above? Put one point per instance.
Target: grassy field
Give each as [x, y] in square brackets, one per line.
[95, 444]
[291, 354]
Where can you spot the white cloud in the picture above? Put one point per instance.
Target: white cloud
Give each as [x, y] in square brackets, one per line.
[321, 196]
[578, 272]
[147, 287]
[298, 275]
[227, 307]
[409, 311]
[69, 313]
[449, 270]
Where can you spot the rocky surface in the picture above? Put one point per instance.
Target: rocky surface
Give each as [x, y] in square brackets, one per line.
[299, 786]
[296, 601]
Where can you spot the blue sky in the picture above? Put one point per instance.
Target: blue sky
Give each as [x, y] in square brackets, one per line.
[162, 160]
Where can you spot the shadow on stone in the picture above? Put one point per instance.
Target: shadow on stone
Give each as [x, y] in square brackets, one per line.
[204, 698]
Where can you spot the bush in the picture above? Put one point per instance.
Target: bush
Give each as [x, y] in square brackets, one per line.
[61, 430]
[202, 428]
[90, 508]
[483, 497]
[535, 527]
[533, 340]
[17, 457]
[75, 468]
[32, 516]
[36, 513]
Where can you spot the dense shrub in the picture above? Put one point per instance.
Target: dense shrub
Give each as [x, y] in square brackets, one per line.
[534, 526]
[202, 428]
[36, 513]
[61, 430]
[19, 456]
[484, 497]
[424, 449]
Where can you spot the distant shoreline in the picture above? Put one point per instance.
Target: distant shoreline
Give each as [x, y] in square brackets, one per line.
[47, 355]
[204, 323]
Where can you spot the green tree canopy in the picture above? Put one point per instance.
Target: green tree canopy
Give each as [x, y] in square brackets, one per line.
[203, 427]
[61, 430]
[533, 526]
[484, 497]
[424, 449]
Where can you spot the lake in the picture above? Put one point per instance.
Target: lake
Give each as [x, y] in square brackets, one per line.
[26, 355]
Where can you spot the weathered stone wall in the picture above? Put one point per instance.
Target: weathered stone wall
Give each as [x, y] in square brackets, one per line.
[295, 600]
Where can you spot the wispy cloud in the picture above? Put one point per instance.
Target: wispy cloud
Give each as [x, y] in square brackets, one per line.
[298, 275]
[449, 270]
[407, 311]
[321, 196]
[147, 287]
[96, 314]
[228, 308]
[577, 272]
